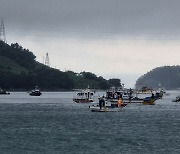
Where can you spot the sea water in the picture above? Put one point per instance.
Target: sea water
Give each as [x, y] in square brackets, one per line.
[54, 124]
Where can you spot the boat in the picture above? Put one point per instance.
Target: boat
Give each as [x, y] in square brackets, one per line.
[177, 99]
[106, 106]
[159, 94]
[115, 93]
[35, 92]
[3, 92]
[136, 100]
[84, 96]
[128, 97]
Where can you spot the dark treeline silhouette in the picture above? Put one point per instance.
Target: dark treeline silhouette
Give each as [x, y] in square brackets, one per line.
[20, 71]
[167, 77]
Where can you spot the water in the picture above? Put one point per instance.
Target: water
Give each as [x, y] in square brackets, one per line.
[53, 123]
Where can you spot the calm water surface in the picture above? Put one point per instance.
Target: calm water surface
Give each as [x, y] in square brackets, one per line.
[53, 123]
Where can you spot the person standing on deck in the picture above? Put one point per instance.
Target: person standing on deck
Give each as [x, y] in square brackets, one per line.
[119, 102]
[101, 102]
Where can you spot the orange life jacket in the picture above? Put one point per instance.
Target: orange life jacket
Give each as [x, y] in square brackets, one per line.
[119, 102]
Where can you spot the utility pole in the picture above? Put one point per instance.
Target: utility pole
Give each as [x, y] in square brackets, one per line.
[47, 60]
[2, 32]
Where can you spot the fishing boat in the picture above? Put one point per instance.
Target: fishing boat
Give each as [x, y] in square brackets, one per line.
[160, 93]
[106, 106]
[115, 93]
[128, 96]
[35, 92]
[136, 100]
[84, 96]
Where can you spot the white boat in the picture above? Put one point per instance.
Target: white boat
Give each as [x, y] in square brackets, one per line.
[107, 106]
[85, 96]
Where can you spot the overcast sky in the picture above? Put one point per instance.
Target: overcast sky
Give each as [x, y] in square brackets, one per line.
[111, 38]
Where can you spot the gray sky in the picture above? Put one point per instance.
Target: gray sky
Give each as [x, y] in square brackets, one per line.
[111, 38]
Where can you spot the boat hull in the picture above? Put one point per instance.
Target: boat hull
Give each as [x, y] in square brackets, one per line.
[149, 101]
[146, 101]
[5, 93]
[106, 109]
[35, 93]
[82, 100]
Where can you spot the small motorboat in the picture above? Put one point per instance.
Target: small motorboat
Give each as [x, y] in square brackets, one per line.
[177, 99]
[106, 106]
[35, 92]
[3, 92]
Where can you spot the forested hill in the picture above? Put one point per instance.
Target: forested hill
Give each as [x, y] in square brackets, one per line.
[167, 77]
[19, 70]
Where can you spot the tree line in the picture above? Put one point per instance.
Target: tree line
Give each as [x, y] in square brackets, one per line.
[167, 77]
[19, 70]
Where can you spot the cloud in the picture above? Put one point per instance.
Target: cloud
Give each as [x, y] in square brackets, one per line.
[95, 18]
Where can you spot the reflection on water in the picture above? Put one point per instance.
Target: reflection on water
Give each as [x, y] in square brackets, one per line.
[53, 123]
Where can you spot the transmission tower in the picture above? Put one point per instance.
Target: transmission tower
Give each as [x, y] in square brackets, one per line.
[2, 32]
[47, 60]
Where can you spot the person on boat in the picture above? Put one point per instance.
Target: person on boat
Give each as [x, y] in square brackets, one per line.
[152, 96]
[119, 102]
[130, 95]
[101, 102]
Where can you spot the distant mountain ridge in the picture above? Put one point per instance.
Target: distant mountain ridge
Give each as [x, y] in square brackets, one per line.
[167, 77]
[19, 70]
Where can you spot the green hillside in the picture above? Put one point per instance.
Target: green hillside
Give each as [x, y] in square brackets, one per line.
[167, 77]
[19, 70]
[9, 65]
